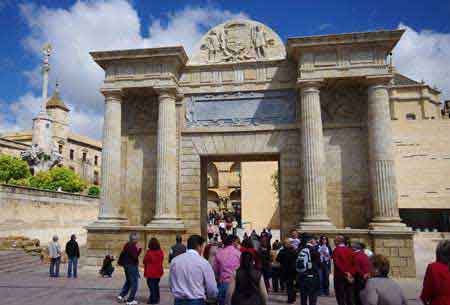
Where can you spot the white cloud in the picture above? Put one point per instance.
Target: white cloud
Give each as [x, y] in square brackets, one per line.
[425, 55]
[101, 25]
[19, 115]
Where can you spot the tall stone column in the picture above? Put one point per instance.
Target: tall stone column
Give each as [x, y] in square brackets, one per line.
[110, 197]
[381, 161]
[166, 159]
[313, 159]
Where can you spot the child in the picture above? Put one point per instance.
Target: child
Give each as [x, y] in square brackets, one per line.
[107, 267]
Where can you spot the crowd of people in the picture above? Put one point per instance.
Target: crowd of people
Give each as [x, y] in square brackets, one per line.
[244, 272]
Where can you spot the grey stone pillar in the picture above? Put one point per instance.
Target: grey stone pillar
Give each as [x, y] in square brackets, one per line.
[110, 196]
[166, 173]
[381, 161]
[313, 159]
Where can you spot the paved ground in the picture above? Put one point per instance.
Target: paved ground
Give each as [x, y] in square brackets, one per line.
[38, 289]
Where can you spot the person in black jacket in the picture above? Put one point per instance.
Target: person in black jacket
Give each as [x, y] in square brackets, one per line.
[287, 258]
[177, 249]
[73, 253]
[308, 266]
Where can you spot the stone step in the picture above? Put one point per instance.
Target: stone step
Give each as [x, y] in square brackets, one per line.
[18, 261]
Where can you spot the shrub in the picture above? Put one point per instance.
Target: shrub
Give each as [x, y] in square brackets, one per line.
[13, 168]
[94, 191]
[20, 182]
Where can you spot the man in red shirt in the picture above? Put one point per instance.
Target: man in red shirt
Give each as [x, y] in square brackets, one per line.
[362, 271]
[344, 271]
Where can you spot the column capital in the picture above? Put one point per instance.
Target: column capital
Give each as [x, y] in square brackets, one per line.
[167, 92]
[312, 84]
[112, 95]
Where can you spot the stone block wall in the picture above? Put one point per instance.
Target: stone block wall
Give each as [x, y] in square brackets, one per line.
[41, 214]
[104, 241]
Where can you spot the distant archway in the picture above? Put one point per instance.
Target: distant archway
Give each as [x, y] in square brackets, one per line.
[213, 176]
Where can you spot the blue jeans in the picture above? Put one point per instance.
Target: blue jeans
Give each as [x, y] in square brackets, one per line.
[189, 302]
[223, 287]
[54, 266]
[131, 282]
[72, 265]
[324, 274]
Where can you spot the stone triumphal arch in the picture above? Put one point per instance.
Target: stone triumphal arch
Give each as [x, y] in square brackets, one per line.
[319, 105]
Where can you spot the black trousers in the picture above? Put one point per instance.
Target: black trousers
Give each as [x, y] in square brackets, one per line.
[277, 282]
[344, 292]
[153, 286]
[309, 289]
[291, 289]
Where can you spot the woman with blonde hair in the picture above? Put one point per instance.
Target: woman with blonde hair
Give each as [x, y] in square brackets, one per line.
[436, 284]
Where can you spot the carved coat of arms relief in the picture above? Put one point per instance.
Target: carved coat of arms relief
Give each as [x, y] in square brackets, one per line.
[239, 41]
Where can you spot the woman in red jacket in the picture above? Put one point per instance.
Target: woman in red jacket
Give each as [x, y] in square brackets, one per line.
[436, 284]
[153, 269]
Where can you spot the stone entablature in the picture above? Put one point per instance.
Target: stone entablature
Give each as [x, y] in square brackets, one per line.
[343, 55]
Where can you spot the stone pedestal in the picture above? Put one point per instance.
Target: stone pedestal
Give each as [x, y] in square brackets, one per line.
[110, 197]
[381, 161]
[313, 159]
[166, 159]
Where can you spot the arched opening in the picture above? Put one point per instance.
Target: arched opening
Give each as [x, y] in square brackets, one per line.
[410, 116]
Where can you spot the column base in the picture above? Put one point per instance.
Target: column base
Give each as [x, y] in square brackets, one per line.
[388, 226]
[109, 221]
[316, 225]
[166, 223]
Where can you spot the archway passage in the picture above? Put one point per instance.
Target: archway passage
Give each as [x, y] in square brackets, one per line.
[247, 190]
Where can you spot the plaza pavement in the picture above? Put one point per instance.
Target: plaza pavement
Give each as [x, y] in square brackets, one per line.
[37, 288]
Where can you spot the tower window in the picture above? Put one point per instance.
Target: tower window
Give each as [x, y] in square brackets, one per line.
[84, 156]
[410, 116]
[60, 148]
[71, 154]
[96, 160]
[96, 177]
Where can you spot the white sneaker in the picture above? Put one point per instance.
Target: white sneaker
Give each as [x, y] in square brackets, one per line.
[134, 302]
[120, 299]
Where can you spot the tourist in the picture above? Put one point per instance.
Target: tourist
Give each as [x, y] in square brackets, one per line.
[308, 266]
[247, 246]
[54, 253]
[247, 286]
[381, 290]
[277, 284]
[210, 252]
[287, 258]
[344, 269]
[191, 275]
[177, 249]
[436, 284]
[210, 230]
[255, 240]
[107, 267]
[73, 254]
[129, 260]
[276, 245]
[153, 269]
[266, 262]
[294, 239]
[362, 270]
[226, 262]
[325, 265]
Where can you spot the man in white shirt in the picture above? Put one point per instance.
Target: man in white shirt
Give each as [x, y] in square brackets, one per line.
[54, 252]
[191, 275]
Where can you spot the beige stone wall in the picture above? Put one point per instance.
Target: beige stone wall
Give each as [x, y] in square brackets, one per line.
[259, 198]
[347, 177]
[422, 150]
[41, 214]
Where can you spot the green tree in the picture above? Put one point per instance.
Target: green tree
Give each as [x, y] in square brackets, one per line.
[13, 168]
[58, 177]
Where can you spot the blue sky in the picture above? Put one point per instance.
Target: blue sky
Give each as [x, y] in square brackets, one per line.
[77, 27]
